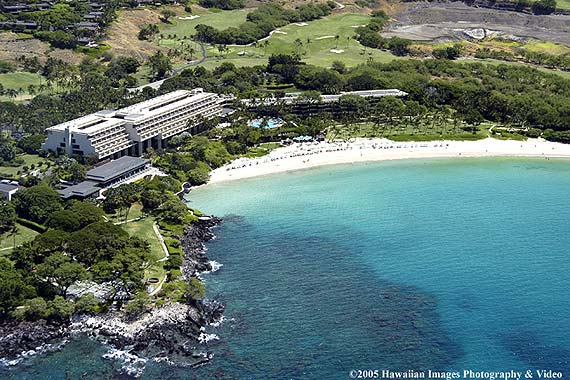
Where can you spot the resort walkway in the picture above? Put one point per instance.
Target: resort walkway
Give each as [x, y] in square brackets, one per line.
[166, 255]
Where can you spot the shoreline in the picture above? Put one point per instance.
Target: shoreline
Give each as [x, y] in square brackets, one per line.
[310, 155]
[178, 328]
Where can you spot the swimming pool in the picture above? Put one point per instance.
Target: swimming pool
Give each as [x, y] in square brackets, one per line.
[269, 123]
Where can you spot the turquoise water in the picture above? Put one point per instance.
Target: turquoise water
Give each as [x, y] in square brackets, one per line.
[437, 264]
[270, 123]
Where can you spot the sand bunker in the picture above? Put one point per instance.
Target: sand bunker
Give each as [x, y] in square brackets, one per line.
[337, 51]
[323, 37]
[301, 24]
[188, 17]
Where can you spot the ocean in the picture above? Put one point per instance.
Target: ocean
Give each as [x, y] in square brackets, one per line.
[445, 265]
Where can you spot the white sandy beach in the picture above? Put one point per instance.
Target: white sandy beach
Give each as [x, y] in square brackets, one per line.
[308, 155]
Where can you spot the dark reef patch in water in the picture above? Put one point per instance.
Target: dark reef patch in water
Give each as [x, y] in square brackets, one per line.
[307, 308]
[529, 348]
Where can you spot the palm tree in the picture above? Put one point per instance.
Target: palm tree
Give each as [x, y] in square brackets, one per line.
[13, 233]
[298, 45]
[265, 45]
[11, 93]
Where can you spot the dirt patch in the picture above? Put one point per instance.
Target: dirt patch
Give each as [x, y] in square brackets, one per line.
[451, 21]
[12, 47]
[122, 35]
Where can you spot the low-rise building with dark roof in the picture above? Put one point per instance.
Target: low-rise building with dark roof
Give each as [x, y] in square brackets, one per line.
[19, 25]
[85, 189]
[118, 170]
[8, 189]
[107, 175]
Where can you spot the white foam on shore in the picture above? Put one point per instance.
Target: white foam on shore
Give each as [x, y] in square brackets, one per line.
[308, 155]
[31, 353]
[131, 364]
[205, 338]
[215, 266]
[219, 322]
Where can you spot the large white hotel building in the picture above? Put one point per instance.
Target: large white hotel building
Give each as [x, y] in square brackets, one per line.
[131, 130]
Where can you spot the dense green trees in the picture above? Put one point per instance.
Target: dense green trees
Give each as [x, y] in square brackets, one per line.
[31, 144]
[315, 78]
[121, 67]
[7, 149]
[148, 32]
[64, 220]
[543, 7]
[166, 15]
[449, 52]
[37, 203]
[159, 65]
[14, 289]
[222, 4]
[260, 22]
[46, 267]
[7, 215]
[59, 270]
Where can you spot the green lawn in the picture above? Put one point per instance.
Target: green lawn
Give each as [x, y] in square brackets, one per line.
[319, 45]
[546, 47]
[23, 234]
[134, 212]
[29, 159]
[220, 20]
[563, 74]
[143, 229]
[262, 149]
[404, 131]
[20, 80]
[563, 4]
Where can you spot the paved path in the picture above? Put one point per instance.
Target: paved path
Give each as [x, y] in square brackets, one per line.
[156, 85]
[161, 239]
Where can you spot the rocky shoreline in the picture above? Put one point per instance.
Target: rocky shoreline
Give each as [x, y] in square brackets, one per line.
[165, 333]
[198, 233]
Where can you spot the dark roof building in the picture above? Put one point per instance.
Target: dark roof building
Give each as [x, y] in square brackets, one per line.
[110, 174]
[82, 190]
[7, 189]
[118, 170]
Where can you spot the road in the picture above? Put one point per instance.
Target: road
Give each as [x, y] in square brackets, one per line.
[156, 85]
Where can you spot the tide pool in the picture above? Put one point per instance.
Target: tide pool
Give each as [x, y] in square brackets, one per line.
[443, 265]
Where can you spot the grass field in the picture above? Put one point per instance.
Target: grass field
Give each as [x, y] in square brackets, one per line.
[318, 38]
[262, 149]
[20, 80]
[143, 229]
[29, 159]
[563, 74]
[546, 47]
[422, 131]
[134, 212]
[563, 4]
[22, 235]
[220, 20]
